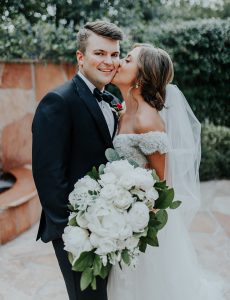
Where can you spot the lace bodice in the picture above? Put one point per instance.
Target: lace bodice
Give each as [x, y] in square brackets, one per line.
[137, 146]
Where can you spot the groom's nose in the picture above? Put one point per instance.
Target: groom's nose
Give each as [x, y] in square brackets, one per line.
[108, 60]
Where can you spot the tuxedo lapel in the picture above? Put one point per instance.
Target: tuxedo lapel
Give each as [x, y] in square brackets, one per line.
[115, 124]
[94, 109]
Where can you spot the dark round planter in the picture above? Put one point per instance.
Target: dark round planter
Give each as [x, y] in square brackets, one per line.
[7, 180]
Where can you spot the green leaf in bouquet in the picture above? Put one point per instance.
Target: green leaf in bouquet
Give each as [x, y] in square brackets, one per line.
[154, 223]
[162, 217]
[153, 241]
[165, 199]
[86, 278]
[105, 271]
[133, 163]
[93, 173]
[125, 256]
[112, 155]
[161, 185]
[97, 265]
[70, 207]
[101, 169]
[94, 284]
[72, 222]
[85, 260]
[152, 232]
[152, 215]
[93, 193]
[175, 204]
[142, 245]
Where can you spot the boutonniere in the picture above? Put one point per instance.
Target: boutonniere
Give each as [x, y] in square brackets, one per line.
[118, 108]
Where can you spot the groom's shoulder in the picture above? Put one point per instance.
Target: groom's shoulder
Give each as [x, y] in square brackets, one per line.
[65, 90]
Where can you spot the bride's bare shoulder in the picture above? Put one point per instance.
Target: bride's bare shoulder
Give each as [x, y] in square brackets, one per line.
[148, 120]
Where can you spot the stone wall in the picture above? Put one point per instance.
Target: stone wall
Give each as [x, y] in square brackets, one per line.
[22, 86]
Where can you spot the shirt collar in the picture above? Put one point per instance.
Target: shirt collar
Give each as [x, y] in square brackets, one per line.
[87, 82]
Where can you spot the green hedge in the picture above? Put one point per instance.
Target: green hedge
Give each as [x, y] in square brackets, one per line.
[200, 51]
[42, 41]
[215, 162]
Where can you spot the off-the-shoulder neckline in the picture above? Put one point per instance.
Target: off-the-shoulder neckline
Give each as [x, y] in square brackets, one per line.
[135, 134]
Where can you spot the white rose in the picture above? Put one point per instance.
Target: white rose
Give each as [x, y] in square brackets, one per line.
[109, 191]
[81, 220]
[76, 240]
[138, 216]
[131, 243]
[127, 180]
[108, 178]
[106, 221]
[121, 244]
[152, 194]
[123, 199]
[118, 168]
[87, 183]
[104, 245]
[140, 194]
[125, 232]
[116, 224]
[143, 178]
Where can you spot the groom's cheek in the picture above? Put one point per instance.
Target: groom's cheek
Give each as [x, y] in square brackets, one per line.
[117, 63]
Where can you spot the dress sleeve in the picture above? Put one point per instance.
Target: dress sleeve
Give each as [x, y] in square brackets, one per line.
[154, 141]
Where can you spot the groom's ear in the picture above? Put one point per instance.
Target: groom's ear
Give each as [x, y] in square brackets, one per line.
[80, 57]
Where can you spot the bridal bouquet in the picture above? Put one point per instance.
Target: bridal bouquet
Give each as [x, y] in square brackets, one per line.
[115, 212]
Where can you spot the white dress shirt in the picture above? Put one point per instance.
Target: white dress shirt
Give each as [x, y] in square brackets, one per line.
[104, 106]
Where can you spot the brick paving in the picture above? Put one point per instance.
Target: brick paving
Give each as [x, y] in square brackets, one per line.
[29, 270]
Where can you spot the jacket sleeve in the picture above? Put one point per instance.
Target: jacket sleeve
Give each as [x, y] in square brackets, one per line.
[50, 151]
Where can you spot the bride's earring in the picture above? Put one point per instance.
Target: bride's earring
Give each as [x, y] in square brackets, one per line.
[136, 86]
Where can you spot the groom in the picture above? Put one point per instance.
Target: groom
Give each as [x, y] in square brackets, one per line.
[72, 127]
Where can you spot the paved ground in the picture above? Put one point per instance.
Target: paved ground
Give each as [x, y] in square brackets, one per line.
[29, 270]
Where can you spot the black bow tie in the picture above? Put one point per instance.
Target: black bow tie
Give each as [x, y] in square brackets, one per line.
[102, 96]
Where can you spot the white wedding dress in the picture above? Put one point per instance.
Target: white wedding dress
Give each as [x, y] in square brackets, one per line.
[170, 271]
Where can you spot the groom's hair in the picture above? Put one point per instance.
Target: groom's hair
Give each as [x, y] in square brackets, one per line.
[102, 28]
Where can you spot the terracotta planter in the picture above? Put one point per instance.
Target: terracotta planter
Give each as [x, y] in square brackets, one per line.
[19, 206]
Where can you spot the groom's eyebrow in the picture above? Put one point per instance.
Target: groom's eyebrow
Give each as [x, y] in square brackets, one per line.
[101, 50]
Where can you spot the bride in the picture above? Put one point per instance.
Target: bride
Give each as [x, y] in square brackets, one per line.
[159, 130]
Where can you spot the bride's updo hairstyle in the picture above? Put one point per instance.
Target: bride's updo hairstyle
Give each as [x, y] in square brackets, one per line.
[155, 71]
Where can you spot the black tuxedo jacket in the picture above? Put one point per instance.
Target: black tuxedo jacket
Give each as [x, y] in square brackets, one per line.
[70, 136]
